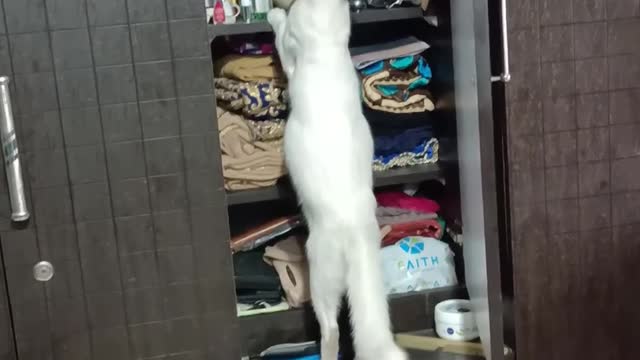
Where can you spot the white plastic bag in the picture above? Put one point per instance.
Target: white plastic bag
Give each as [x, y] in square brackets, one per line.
[417, 263]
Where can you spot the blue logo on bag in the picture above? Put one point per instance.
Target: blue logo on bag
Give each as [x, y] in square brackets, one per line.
[415, 246]
[411, 246]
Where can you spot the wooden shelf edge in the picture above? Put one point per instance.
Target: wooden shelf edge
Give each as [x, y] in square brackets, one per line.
[276, 192]
[412, 174]
[362, 17]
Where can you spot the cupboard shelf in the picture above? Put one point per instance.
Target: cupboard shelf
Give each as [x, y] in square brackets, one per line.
[362, 17]
[413, 174]
[409, 312]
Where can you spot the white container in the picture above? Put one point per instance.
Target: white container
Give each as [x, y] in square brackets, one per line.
[455, 321]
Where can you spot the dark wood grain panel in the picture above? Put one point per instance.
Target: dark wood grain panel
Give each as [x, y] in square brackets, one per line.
[114, 111]
[574, 226]
[7, 346]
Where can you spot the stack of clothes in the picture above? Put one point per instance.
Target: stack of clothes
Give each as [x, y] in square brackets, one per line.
[401, 215]
[417, 252]
[252, 108]
[269, 262]
[395, 78]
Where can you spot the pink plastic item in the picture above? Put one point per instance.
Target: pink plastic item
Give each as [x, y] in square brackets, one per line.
[218, 13]
[403, 201]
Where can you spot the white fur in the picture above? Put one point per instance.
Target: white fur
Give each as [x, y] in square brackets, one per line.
[329, 150]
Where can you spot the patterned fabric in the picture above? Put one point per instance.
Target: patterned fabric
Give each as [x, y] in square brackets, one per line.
[398, 85]
[267, 130]
[254, 100]
[424, 153]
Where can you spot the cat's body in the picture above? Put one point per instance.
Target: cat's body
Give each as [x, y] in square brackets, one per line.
[328, 151]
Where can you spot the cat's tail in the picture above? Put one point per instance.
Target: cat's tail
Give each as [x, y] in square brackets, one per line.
[372, 334]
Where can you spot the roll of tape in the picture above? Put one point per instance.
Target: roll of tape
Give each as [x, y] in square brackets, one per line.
[455, 320]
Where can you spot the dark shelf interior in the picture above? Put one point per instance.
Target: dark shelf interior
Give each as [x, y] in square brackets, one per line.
[413, 174]
[277, 192]
[362, 17]
[409, 312]
[408, 175]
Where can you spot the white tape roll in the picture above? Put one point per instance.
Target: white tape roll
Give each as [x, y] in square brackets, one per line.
[455, 320]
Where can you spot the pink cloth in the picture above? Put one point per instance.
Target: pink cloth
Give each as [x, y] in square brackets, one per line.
[396, 199]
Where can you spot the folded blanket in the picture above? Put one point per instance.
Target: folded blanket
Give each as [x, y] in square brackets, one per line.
[400, 200]
[427, 228]
[398, 85]
[246, 162]
[363, 56]
[395, 141]
[254, 100]
[250, 68]
[382, 123]
[393, 215]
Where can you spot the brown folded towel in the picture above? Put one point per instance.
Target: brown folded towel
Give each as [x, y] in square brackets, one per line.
[246, 162]
[250, 68]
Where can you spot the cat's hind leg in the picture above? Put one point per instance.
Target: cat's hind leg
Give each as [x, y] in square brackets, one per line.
[326, 267]
[373, 339]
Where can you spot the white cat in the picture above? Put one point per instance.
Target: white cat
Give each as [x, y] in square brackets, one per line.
[329, 151]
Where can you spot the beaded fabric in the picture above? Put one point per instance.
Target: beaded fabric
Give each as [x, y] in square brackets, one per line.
[394, 141]
[254, 100]
[424, 153]
[266, 130]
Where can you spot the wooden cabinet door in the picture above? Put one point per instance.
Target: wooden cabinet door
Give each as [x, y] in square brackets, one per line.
[7, 345]
[573, 122]
[470, 27]
[113, 103]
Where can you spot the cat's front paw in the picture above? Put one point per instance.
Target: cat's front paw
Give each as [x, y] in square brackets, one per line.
[276, 16]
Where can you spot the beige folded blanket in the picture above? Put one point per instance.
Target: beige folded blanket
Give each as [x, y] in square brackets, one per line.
[250, 68]
[246, 162]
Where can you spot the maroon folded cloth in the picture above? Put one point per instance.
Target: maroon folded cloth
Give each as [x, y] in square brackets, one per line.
[427, 228]
[397, 199]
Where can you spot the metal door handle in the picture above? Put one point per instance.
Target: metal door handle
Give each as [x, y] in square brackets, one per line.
[19, 211]
[506, 73]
